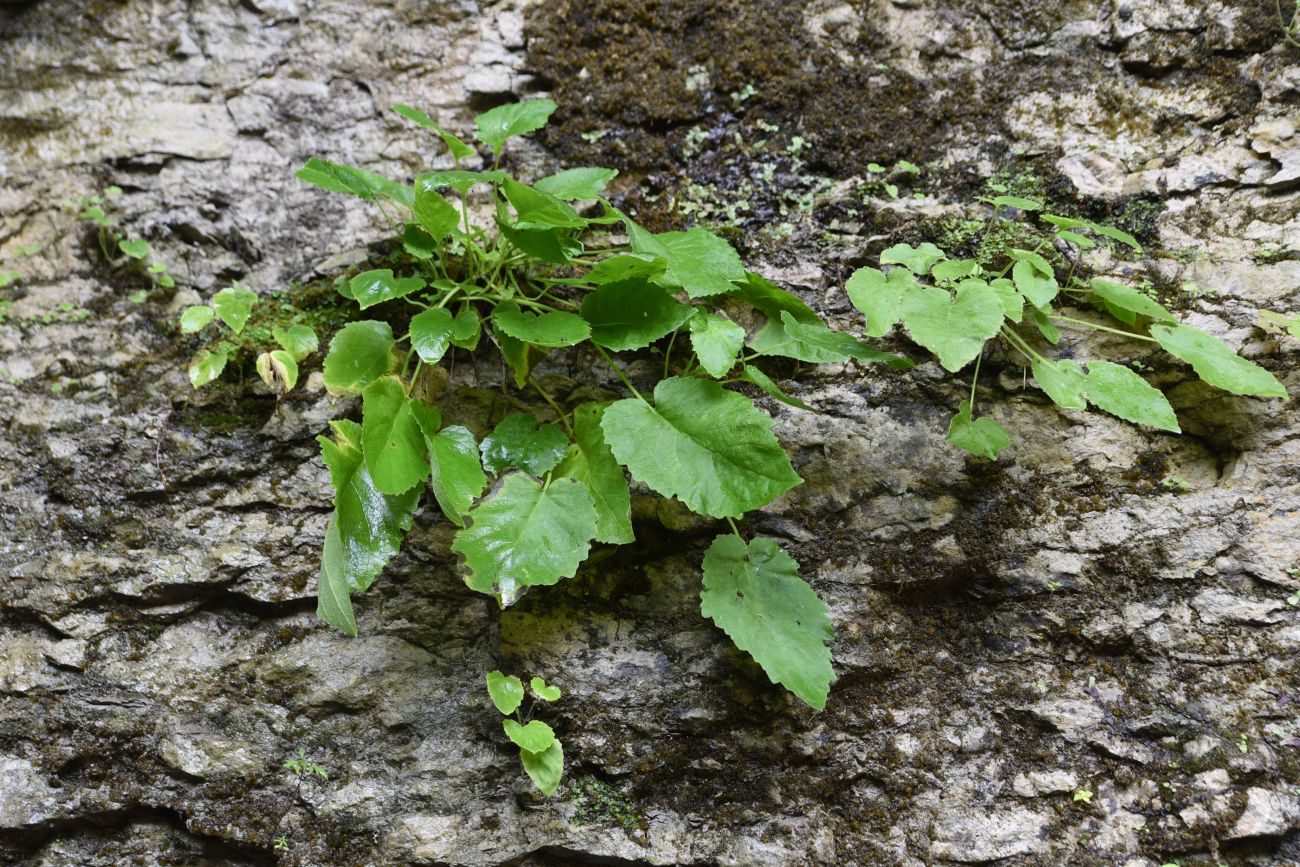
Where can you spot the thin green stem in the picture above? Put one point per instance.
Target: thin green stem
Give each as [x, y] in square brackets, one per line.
[559, 410]
[735, 529]
[975, 378]
[1097, 327]
[668, 353]
[1021, 345]
[621, 375]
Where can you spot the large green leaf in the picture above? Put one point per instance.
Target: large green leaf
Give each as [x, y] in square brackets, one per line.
[553, 328]
[525, 534]
[457, 474]
[517, 441]
[698, 261]
[709, 447]
[545, 769]
[754, 593]
[1120, 391]
[234, 305]
[338, 178]
[370, 523]
[506, 691]
[817, 337]
[391, 438]
[716, 341]
[431, 333]
[880, 297]
[1013, 303]
[954, 331]
[360, 353]
[536, 737]
[632, 314]
[333, 601]
[1127, 298]
[590, 462]
[375, 287]
[918, 260]
[435, 214]
[626, 266]
[574, 184]
[1216, 363]
[459, 150]
[1063, 380]
[505, 122]
[538, 210]
[981, 436]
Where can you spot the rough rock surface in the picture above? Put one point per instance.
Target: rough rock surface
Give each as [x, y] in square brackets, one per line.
[1082, 654]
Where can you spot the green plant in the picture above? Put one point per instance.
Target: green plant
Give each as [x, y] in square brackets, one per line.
[117, 247]
[233, 306]
[304, 768]
[1290, 26]
[282, 843]
[540, 276]
[966, 303]
[540, 751]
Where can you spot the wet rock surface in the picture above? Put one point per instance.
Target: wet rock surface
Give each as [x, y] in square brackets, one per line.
[1080, 655]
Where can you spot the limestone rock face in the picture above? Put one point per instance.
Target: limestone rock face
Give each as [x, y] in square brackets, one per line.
[1082, 654]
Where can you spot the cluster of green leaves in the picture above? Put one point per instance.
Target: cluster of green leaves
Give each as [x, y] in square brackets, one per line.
[118, 247]
[954, 307]
[531, 499]
[233, 306]
[540, 750]
[886, 181]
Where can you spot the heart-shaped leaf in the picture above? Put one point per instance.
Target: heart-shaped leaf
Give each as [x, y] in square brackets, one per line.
[504, 122]
[955, 331]
[234, 305]
[981, 436]
[717, 342]
[544, 691]
[535, 737]
[195, 318]
[360, 353]
[375, 287]
[507, 691]
[518, 441]
[297, 340]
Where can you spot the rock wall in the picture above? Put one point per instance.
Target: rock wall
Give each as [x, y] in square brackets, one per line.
[1082, 654]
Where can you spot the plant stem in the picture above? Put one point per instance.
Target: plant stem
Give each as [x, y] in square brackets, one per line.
[560, 414]
[621, 375]
[1106, 328]
[1021, 345]
[735, 530]
[975, 378]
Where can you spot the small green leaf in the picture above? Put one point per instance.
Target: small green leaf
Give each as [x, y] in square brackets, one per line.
[545, 769]
[954, 331]
[754, 593]
[982, 436]
[538, 210]
[543, 691]
[536, 737]
[1039, 290]
[375, 287]
[139, 296]
[709, 447]
[234, 305]
[554, 328]
[418, 243]
[297, 340]
[333, 602]
[1083, 242]
[1045, 327]
[370, 523]
[698, 261]
[953, 269]
[195, 318]
[879, 297]
[1116, 235]
[459, 150]
[1064, 381]
[918, 260]
[1121, 392]
[845, 346]
[458, 179]
[136, 248]
[278, 370]
[518, 441]
[1013, 303]
[523, 534]
[1216, 363]
[1064, 222]
[557, 246]
[772, 339]
[577, 184]
[717, 342]
[435, 214]
[1128, 298]
[590, 462]
[626, 266]
[750, 373]
[1041, 265]
[632, 314]
[338, 178]
[431, 332]
[207, 366]
[1017, 202]
[457, 474]
[504, 122]
[391, 438]
[521, 357]
[466, 328]
[360, 353]
[507, 692]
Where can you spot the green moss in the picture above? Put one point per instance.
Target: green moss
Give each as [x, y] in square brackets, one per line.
[599, 803]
